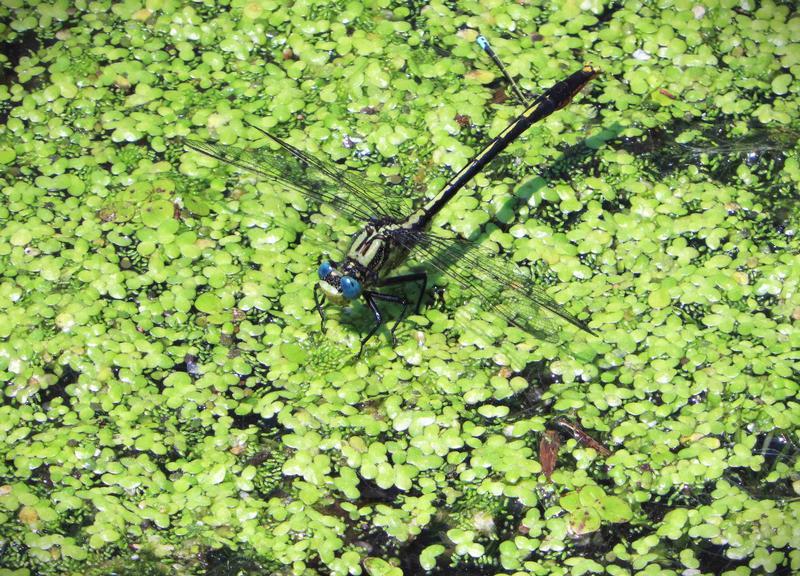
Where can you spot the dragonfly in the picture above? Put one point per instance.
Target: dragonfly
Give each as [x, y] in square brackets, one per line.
[392, 232]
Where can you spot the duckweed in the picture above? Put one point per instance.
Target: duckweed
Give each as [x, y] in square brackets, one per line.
[171, 406]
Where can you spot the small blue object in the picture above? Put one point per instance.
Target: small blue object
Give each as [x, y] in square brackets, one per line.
[482, 42]
[324, 269]
[351, 287]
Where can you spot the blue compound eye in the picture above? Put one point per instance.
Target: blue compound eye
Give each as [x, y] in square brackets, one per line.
[351, 287]
[324, 269]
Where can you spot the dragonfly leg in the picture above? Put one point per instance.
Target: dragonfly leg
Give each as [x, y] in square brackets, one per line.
[320, 309]
[420, 277]
[437, 298]
[371, 298]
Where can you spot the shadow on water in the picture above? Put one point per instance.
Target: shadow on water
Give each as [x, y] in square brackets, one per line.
[24, 44]
[227, 562]
[709, 146]
[582, 159]
[753, 159]
[773, 479]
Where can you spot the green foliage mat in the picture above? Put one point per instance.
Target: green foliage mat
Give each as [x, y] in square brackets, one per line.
[170, 405]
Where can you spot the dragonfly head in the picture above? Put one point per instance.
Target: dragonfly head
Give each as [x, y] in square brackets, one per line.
[338, 288]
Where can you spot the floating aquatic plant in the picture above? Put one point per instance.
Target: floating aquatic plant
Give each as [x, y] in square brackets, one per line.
[170, 406]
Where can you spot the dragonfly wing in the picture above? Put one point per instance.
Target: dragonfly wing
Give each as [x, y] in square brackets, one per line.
[351, 195]
[500, 286]
[383, 199]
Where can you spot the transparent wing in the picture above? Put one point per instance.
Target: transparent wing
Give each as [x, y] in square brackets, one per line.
[351, 195]
[714, 141]
[499, 285]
